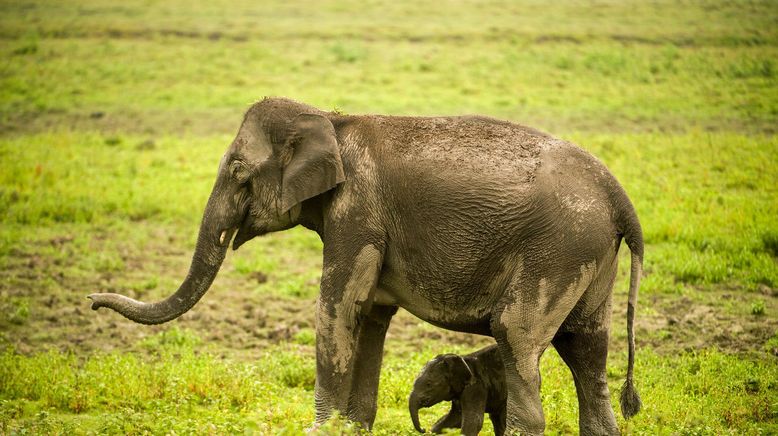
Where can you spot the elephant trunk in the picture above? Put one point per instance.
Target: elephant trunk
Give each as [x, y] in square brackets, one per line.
[414, 406]
[216, 230]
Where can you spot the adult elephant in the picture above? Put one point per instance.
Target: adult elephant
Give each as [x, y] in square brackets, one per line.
[470, 223]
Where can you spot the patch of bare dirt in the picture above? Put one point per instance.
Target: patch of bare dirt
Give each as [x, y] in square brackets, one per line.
[713, 318]
[43, 306]
[231, 320]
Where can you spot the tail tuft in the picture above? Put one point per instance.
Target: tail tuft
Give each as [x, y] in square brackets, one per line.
[630, 399]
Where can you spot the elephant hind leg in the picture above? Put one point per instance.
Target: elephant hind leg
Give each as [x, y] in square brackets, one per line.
[582, 342]
[585, 354]
[522, 381]
[523, 324]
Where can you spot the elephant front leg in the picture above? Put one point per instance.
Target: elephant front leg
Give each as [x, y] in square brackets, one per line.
[453, 419]
[346, 292]
[473, 406]
[363, 400]
[335, 345]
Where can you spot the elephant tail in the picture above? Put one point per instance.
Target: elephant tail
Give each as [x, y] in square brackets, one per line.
[633, 236]
[630, 399]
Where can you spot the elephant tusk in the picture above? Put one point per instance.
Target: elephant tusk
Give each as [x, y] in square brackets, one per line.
[222, 237]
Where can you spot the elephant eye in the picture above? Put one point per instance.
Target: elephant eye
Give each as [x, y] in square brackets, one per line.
[239, 171]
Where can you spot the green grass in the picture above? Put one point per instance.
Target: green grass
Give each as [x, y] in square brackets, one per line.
[113, 119]
[558, 67]
[181, 391]
[568, 84]
[706, 201]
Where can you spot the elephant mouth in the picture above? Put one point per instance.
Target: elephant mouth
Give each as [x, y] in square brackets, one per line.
[245, 232]
[226, 236]
[238, 231]
[425, 403]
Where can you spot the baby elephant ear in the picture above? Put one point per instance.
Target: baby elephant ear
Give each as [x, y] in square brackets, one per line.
[315, 166]
[461, 374]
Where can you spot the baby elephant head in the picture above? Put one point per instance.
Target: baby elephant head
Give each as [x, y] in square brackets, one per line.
[442, 379]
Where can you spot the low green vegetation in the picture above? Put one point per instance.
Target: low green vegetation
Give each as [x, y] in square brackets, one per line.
[178, 390]
[708, 220]
[113, 119]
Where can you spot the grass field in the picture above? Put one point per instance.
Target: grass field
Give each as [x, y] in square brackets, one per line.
[113, 117]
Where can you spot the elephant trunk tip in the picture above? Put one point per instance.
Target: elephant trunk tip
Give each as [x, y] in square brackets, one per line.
[413, 406]
[96, 300]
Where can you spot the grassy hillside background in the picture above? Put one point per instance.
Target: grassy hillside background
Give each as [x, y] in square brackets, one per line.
[113, 117]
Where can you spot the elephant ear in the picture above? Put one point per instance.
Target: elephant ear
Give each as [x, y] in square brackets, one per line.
[315, 166]
[460, 373]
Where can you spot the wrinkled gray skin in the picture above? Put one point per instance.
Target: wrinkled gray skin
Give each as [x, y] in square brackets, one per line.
[469, 223]
[475, 384]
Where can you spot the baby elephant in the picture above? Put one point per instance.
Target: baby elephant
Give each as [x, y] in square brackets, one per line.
[475, 384]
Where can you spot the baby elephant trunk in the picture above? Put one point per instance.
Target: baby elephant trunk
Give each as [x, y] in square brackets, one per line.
[413, 406]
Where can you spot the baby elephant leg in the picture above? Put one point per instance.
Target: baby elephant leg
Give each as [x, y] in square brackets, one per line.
[498, 422]
[473, 404]
[451, 420]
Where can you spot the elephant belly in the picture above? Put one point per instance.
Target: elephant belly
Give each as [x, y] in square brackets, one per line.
[442, 304]
[469, 321]
[457, 282]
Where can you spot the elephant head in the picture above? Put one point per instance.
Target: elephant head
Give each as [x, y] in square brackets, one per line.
[442, 379]
[284, 153]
